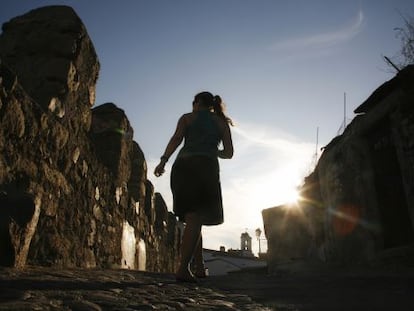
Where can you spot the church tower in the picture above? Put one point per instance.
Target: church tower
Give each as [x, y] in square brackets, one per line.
[246, 242]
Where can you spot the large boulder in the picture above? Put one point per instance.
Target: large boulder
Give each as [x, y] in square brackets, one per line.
[50, 51]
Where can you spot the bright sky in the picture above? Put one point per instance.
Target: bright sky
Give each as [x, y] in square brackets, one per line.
[282, 67]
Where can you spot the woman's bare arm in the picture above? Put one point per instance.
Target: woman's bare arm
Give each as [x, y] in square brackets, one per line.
[227, 152]
[172, 145]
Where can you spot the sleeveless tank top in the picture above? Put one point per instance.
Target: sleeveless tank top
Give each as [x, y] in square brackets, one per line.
[202, 136]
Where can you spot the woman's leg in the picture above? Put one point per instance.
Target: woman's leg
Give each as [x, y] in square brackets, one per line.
[198, 261]
[191, 237]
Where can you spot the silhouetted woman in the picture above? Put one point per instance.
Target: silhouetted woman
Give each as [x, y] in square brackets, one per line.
[195, 180]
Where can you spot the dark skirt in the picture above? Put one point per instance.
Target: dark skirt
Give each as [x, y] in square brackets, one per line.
[195, 185]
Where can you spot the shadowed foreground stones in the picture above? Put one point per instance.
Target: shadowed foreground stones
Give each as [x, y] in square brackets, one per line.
[93, 289]
[298, 288]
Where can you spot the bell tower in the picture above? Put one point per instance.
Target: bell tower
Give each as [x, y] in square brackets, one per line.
[246, 242]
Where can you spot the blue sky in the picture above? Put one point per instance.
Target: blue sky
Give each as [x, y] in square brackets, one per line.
[282, 67]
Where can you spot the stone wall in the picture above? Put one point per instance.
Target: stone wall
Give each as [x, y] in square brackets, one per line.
[359, 201]
[289, 232]
[73, 185]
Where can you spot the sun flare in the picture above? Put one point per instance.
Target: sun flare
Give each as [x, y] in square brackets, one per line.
[286, 184]
[292, 195]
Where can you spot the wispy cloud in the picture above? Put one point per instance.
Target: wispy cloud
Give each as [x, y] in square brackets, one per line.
[323, 40]
[267, 138]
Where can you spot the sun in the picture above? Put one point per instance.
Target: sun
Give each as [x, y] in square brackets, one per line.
[292, 195]
[285, 187]
[276, 188]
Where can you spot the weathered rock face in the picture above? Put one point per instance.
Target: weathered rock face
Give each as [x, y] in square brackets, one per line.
[167, 237]
[362, 189]
[73, 188]
[289, 233]
[56, 63]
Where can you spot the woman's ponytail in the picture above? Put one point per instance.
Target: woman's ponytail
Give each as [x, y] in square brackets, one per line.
[207, 100]
[218, 108]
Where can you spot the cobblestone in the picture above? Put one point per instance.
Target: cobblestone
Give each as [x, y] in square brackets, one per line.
[41, 288]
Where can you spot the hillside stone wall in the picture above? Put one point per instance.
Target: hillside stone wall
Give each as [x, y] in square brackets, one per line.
[361, 192]
[73, 183]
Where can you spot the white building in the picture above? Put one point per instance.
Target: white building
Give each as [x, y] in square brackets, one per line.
[222, 262]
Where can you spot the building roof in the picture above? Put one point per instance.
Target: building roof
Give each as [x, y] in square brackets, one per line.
[231, 254]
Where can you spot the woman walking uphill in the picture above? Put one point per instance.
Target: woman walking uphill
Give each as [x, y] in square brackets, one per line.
[195, 180]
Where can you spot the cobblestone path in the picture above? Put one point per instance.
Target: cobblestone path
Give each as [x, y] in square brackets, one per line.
[40, 288]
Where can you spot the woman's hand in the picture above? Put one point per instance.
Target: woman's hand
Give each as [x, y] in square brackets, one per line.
[174, 142]
[159, 170]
